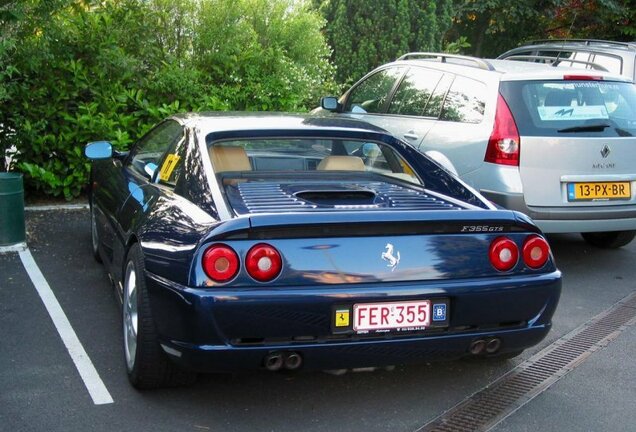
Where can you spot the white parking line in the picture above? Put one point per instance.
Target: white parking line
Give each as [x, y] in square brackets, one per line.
[94, 384]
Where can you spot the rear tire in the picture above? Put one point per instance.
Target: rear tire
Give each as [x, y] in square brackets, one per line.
[146, 363]
[609, 240]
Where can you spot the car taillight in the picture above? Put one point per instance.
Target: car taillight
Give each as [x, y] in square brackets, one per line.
[503, 253]
[582, 78]
[504, 142]
[220, 263]
[263, 262]
[535, 251]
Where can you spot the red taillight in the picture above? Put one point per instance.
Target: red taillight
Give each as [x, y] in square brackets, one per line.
[503, 253]
[504, 142]
[220, 263]
[535, 251]
[582, 78]
[263, 262]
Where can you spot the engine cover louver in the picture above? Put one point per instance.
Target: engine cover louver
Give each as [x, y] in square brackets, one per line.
[273, 197]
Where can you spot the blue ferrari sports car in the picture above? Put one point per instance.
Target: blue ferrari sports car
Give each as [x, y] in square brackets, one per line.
[287, 242]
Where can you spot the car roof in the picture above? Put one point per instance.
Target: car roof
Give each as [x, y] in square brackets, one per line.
[507, 70]
[596, 45]
[229, 121]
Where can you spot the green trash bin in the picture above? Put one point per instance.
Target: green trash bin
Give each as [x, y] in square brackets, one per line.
[11, 209]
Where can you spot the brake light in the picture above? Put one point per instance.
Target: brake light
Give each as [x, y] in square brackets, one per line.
[220, 263]
[535, 251]
[503, 253]
[582, 78]
[263, 262]
[504, 143]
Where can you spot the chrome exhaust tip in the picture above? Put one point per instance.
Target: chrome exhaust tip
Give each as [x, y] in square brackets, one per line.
[493, 345]
[477, 347]
[293, 361]
[273, 361]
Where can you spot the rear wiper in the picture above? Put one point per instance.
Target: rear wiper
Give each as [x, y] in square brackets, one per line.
[588, 128]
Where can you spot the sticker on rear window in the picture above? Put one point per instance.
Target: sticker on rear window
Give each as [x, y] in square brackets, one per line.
[560, 113]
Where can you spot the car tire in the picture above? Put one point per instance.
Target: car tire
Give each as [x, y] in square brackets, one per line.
[146, 363]
[95, 236]
[609, 240]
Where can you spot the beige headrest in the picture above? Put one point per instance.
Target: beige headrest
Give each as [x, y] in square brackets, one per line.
[229, 158]
[341, 163]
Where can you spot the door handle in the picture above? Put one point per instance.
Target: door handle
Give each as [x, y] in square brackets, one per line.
[411, 136]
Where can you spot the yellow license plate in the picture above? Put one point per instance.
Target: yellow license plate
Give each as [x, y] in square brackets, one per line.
[599, 191]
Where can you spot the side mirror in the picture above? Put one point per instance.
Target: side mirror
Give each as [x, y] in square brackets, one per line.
[329, 103]
[98, 150]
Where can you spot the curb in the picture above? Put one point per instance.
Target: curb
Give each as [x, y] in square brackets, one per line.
[57, 207]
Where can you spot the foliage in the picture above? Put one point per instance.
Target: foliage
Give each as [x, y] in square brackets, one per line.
[366, 34]
[599, 19]
[494, 26]
[72, 71]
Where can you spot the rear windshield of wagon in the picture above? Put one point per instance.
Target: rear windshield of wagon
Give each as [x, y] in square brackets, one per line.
[576, 108]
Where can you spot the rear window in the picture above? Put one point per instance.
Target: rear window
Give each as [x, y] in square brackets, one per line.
[572, 108]
[301, 155]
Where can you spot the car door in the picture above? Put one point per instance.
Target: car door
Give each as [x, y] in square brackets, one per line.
[368, 99]
[140, 170]
[396, 99]
[417, 103]
[462, 131]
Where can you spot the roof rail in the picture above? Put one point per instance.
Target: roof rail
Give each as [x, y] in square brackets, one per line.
[589, 42]
[444, 57]
[555, 60]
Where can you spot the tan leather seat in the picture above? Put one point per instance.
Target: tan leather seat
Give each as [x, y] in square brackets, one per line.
[341, 163]
[229, 158]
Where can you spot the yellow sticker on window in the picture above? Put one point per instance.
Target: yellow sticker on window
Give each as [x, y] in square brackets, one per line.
[171, 162]
[342, 318]
[407, 169]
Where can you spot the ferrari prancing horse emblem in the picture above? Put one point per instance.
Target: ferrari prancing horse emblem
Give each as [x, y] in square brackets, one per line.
[387, 255]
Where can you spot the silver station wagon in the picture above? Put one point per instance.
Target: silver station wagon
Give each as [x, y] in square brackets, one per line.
[558, 144]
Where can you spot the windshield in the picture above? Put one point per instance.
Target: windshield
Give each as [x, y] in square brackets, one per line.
[302, 155]
[581, 108]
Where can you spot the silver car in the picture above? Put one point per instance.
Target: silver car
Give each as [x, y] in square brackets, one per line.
[558, 144]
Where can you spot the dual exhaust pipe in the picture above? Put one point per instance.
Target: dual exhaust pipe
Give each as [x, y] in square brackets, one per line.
[290, 360]
[485, 346]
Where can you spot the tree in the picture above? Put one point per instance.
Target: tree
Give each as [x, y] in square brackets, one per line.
[494, 26]
[366, 34]
[598, 19]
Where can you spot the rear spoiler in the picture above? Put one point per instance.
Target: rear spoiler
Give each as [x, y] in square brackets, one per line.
[367, 223]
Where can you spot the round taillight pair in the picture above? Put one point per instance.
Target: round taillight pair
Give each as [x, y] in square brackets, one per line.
[504, 253]
[221, 263]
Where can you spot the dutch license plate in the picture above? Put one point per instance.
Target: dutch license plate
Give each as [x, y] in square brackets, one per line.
[599, 190]
[398, 316]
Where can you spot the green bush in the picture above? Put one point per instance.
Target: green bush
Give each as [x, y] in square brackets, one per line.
[75, 71]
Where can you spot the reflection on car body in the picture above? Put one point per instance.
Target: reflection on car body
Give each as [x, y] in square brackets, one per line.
[286, 242]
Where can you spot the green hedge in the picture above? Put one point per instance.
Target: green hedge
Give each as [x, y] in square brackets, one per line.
[75, 71]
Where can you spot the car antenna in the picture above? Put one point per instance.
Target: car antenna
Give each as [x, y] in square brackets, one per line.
[556, 60]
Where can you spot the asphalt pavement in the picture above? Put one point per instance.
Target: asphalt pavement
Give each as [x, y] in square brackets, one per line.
[42, 390]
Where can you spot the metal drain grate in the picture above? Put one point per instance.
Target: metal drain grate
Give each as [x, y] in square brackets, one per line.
[489, 406]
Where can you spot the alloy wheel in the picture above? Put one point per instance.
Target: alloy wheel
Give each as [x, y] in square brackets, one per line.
[130, 315]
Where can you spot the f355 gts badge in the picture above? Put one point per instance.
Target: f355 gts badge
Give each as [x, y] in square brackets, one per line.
[387, 255]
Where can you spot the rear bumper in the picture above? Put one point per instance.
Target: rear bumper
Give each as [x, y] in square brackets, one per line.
[571, 219]
[215, 330]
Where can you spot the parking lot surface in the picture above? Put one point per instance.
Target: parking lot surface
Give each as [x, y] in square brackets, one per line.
[41, 388]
